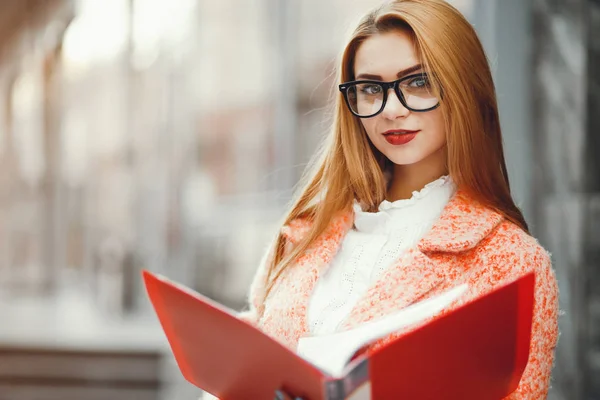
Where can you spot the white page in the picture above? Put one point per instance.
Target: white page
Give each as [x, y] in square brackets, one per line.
[331, 353]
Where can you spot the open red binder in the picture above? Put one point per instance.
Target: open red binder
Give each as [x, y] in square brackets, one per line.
[478, 351]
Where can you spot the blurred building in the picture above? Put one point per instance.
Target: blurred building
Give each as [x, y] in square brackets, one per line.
[30, 46]
[162, 135]
[566, 110]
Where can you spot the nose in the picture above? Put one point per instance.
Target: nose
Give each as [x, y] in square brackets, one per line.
[393, 107]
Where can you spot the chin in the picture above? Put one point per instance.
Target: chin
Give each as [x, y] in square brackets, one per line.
[404, 159]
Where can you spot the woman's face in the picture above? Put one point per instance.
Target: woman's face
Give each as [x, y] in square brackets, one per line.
[405, 137]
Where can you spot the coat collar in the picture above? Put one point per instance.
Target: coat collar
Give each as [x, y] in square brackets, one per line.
[464, 223]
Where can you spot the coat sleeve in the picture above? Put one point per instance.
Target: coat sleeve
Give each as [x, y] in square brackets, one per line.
[505, 264]
[535, 381]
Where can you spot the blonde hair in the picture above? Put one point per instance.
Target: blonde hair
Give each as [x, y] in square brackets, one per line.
[348, 166]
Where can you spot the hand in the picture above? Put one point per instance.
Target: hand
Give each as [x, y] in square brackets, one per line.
[281, 395]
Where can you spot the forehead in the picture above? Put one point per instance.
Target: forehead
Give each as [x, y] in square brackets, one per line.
[385, 55]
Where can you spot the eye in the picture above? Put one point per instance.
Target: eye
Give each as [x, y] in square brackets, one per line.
[370, 89]
[420, 82]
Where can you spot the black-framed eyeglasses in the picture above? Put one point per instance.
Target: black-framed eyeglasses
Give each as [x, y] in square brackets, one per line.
[367, 98]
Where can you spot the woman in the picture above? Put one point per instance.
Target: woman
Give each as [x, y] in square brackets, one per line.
[410, 196]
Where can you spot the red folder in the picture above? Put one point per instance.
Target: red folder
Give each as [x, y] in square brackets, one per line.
[478, 351]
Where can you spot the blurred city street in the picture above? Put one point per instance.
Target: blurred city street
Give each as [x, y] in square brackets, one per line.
[169, 136]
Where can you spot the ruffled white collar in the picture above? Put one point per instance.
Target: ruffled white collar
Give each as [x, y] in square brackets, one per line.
[424, 206]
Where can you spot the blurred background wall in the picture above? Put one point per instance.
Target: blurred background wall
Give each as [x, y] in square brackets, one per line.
[160, 135]
[565, 100]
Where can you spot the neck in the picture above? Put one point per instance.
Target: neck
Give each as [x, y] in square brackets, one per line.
[409, 178]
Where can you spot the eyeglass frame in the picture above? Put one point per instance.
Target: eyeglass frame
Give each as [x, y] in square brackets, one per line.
[386, 88]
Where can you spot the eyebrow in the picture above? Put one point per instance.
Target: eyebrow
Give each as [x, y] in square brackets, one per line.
[400, 74]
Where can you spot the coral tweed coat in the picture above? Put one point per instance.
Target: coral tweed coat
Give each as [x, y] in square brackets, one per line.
[468, 244]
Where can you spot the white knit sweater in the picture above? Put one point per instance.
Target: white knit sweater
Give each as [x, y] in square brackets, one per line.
[378, 240]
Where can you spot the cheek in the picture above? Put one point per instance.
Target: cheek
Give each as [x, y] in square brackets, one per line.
[436, 126]
[370, 127]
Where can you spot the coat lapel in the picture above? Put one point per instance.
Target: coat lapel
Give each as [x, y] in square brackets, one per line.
[412, 277]
[464, 223]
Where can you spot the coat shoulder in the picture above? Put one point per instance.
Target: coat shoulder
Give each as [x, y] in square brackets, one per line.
[508, 243]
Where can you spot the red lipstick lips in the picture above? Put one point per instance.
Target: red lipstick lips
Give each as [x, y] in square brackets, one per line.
[399, 137]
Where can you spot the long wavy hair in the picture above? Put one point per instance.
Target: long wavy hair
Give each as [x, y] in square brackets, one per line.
[349, 167]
